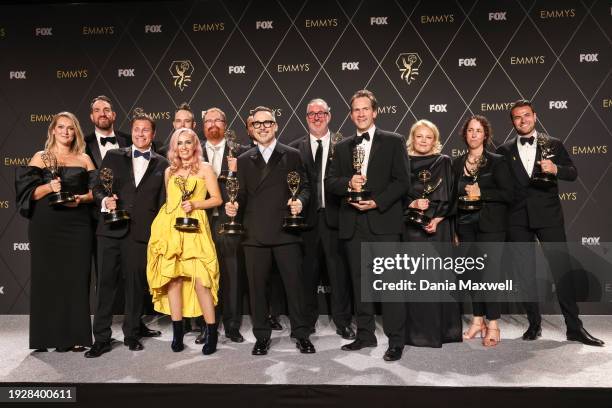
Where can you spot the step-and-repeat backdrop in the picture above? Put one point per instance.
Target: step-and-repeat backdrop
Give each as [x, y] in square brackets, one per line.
[440, 60]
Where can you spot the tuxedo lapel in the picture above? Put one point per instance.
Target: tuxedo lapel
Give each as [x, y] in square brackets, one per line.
[95, 151]
[376, 144]
[307, 148]
[150, 168]
[517, 164]
[276, 156]
[130, 166]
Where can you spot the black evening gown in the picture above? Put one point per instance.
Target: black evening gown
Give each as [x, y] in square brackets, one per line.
[60, 256]
[431, 324]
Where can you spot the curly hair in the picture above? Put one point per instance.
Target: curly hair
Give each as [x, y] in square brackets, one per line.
[173, 157]
[488, 130]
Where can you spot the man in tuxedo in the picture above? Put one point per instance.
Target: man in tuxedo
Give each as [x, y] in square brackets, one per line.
[378, 219]
[138, 187]
[321, 247]
[104, 137]
[183, 118]
[262, 202]
[229, 252]
[536, 212]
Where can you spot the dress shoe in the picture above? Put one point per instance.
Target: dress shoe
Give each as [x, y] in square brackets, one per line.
[346, 332]
[305, 346]
[98, 349]
[358, 345]
[584, 337]
[62, 349]
[533, 332]
[234, 335]
[393, 353]
[79, 349]
[146, 332]
[261, 347]
[274, 323]
[133, 344]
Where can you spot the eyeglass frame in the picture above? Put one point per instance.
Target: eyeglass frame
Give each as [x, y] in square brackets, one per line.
[214, 121]
[258, 124]
[317, 115]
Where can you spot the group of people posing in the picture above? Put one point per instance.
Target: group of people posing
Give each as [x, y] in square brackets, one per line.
[134, 196]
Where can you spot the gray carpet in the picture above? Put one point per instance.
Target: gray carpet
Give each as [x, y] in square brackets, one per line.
[549, 362]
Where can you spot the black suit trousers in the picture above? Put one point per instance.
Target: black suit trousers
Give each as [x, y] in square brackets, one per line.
[120, 259]
[393, 313]
[259, 263]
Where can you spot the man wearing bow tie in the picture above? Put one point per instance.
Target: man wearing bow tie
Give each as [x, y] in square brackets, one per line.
[537, 212]
[378, 219]
[104, 137]
[138, 187]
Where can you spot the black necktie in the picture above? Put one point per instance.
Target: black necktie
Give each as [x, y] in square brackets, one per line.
[319, 169]
[527, 140]
[145, 155]
[109, 139]
[359, 139]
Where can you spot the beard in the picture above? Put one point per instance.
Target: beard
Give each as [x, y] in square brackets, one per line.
[104, 123]
[213, 133]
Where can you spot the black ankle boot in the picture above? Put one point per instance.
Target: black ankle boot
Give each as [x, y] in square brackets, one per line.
[177, 339]
[210, 339]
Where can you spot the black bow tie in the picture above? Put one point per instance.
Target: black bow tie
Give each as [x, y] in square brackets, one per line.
[145, 155]
[109, 139]
[529, 140]
[365, 136]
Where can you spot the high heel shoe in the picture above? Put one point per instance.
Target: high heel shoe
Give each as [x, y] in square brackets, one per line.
[492, 338]
[474, 329]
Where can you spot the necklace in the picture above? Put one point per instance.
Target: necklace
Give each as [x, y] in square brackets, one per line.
[475, 161]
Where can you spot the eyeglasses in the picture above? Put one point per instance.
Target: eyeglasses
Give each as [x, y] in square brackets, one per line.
[266, 123]
[215, 121]
[318, 115]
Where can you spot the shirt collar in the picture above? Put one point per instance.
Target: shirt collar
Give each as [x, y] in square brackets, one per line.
[269, 148]
[142, 151]
[324, 139]
[220, 145]
[534, 134]
[100, 135]
[371, 131]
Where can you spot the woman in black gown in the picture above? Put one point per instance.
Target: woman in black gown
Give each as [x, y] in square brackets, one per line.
[60, 238]
[493, 187]
[433, 323]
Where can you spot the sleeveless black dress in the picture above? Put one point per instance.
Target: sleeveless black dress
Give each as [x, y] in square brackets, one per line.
[60, 255]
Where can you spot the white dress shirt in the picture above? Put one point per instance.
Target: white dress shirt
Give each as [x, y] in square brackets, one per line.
[215, 155]
[139, 165]
[313, 146]
[367, 146]
[266, 152]
[527, 152]
[107, 146]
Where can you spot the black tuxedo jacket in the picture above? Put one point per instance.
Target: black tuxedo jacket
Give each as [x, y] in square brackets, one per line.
[496, 191]
[388, 179]
[332, 201]
[142, 202]
[93, 149]
[224, 168]
[264, 194]
[542, 205]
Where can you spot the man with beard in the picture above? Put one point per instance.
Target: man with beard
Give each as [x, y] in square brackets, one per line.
[537, 212]
[229, 252]
[104, 137]
[321, 246]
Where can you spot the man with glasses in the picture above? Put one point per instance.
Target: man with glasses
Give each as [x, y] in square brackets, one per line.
[216, 152]
[321, 247]
[262, 204]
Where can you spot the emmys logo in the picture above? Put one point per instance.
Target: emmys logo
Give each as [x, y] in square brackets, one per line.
[557, 104]
[43, 31]
[41, 117]
[590, 241]
[568, 196]
[293, 68]
[264, 25]
[278, 112]
[16, 161]
[408, 64]
[589, 57]
[531, 60]
[437, 108]
[128, 72]
[568, 13]
[387, 109]
[72, 74]
[153, 115]
[601, 149]
[321, 23]
[21, 246]
[236, 69]
[440, 18]
[4, 205]
[467, 62]
[378, 21]
[350, 66]
[606, 103]
[17, 75]
[498, 16]
[153, 29]
[208, 27]
[323, 289]
[108, 30]
[458, 152]
[495, 106]
[181, 72]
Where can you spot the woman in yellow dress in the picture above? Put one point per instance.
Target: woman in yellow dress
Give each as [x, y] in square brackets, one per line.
[182, 267]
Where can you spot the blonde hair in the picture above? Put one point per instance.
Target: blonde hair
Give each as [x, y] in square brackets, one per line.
[78, 143]
[173, 157]
[437, 146]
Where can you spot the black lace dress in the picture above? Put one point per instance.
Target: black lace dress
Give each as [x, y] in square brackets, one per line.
[60, 254]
